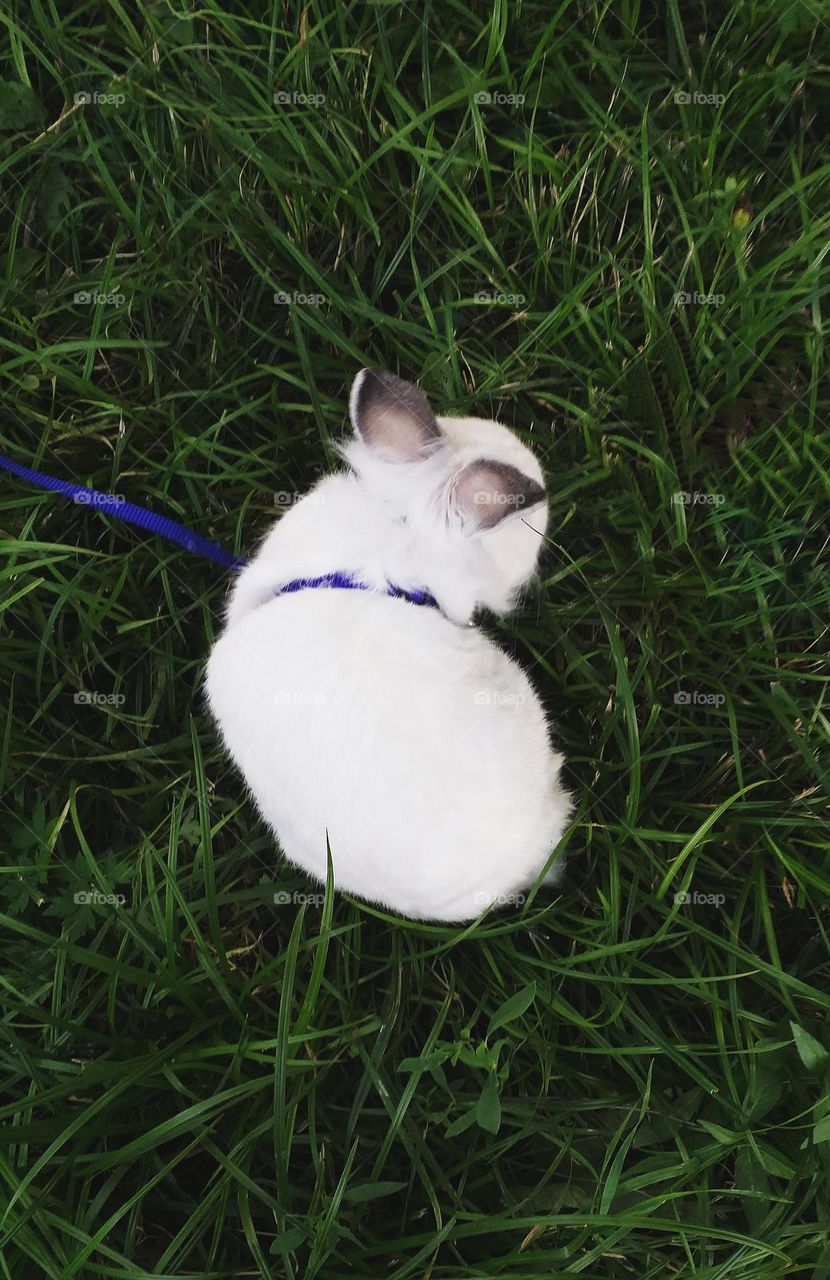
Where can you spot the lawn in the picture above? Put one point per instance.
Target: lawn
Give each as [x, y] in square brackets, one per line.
[608, 227]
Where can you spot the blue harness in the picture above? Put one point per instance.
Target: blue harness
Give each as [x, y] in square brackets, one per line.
[115, 505]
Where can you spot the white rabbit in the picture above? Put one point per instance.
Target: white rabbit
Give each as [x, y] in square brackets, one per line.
[398, 730]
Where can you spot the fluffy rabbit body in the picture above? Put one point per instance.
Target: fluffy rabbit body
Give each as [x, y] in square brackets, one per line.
[396, 730]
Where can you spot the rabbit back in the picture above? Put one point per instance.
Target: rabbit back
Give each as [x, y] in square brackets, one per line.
[418, 748]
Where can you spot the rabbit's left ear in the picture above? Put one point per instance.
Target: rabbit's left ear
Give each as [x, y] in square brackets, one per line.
[392, 416]
[486, 492]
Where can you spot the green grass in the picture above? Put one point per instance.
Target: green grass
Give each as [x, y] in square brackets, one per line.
[612, 1083]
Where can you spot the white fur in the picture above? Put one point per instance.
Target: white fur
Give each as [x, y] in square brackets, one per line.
[405, 735]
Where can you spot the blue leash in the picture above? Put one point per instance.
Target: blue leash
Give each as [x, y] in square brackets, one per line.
[115, 505]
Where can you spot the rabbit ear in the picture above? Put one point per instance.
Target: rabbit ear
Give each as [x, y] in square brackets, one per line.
[487, 492]
[392, 416]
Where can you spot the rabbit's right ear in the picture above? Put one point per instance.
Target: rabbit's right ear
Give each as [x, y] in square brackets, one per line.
[392, 417]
